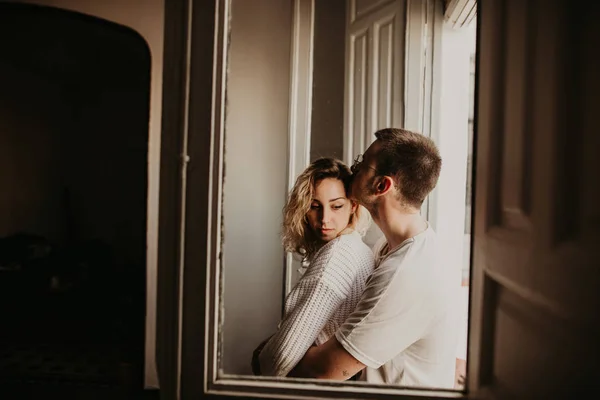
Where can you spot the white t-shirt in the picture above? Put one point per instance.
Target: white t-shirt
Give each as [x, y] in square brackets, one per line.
[404, 328]
[319, 303]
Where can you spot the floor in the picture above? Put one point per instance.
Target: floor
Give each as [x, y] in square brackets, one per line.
[72, 371]
[45, 353]
[34, 391]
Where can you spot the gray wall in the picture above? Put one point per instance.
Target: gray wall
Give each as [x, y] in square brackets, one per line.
[327, 124]
[255, 176]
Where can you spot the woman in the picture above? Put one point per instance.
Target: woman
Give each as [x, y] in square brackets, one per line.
[322, 226]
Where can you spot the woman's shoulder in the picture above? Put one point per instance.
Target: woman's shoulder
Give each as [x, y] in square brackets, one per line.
[353, 243]
[347, 252]
[340, 264]
[350, 253]
[346, 243]
[351, 262]
[324, 254]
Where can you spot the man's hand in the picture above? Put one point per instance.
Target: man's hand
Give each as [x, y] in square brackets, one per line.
[460, 375]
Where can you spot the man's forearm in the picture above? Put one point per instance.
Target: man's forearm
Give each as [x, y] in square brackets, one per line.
[328, 361]
[306, 368]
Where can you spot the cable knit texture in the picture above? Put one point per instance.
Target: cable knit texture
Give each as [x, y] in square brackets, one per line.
[319, 303]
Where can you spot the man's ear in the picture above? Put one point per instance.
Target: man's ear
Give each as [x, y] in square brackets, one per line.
[384, 185]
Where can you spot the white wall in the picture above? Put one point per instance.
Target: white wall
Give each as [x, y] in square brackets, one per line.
[256, 129]
[147, 18]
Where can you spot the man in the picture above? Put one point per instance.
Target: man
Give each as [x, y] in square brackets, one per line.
[404, 329]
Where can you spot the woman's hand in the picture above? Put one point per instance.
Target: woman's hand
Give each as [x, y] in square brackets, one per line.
[255, 363]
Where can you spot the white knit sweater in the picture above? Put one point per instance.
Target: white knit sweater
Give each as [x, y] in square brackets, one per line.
[319, 303]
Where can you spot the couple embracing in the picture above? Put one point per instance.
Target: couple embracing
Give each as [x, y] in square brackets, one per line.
[385, 315]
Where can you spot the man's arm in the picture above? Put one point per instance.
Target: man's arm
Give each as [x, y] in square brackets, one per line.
[328, 361]
[394, 312]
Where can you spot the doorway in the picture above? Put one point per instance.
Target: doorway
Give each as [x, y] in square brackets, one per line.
[73, 155]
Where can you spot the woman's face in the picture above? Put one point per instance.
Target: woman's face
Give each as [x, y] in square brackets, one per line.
[330, 209]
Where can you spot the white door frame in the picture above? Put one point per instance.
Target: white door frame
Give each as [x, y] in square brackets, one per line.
[300, 112]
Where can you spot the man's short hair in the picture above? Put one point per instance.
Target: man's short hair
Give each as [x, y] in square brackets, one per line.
[413, 160]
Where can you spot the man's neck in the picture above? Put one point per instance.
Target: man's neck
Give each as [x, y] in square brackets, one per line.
[399, 224]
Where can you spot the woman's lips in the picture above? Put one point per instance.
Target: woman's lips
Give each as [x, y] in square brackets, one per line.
[326, 230]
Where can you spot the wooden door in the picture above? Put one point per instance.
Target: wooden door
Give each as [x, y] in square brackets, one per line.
[535, 299]
[375, 37]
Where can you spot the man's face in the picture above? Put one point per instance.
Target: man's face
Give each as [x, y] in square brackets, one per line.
[364, 170]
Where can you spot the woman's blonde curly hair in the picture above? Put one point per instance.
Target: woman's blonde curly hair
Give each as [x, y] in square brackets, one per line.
[298, 237]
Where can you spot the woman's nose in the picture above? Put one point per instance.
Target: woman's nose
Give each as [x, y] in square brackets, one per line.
[325, 216]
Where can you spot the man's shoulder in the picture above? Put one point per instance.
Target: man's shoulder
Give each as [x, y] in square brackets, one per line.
[420, 247]
[416, 256]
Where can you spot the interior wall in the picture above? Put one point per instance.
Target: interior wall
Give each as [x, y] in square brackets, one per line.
[256, 125]
[107, 154]
[147, 18]
[31, 113]
[327, 122]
